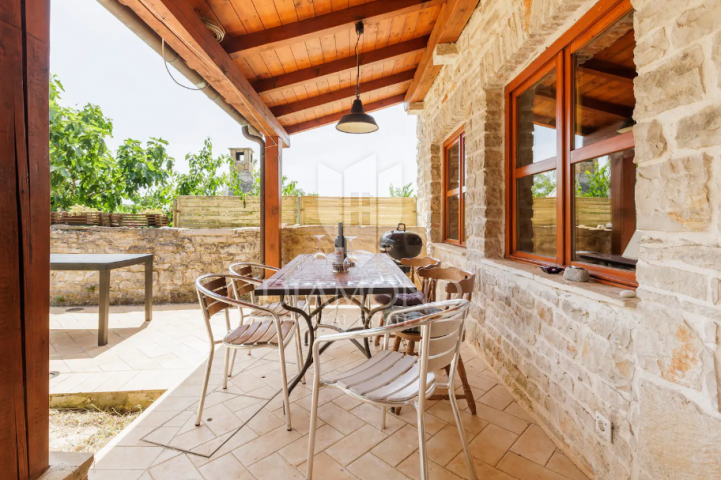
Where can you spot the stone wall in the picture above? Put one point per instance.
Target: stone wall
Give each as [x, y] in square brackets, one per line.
[181, 255]
[652, 365]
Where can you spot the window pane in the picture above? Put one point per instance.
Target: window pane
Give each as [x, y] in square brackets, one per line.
[603, 84]
[536, 122]
[536, 214]
[604, 210]
[454, 160]
[452, 208]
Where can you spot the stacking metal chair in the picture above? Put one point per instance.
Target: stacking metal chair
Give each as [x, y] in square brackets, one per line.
[390, 379]
[459, 284]
[270, 331]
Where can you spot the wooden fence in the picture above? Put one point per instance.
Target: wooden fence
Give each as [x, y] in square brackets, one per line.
[100, 219]
[234, 212]
[590, 211]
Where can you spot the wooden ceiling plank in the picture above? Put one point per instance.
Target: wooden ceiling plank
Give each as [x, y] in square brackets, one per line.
[287, 60]
[300, 53]
[341, 94]
[268, 13]
[248, 15]
[343, 45]
[384, 32]
[328, 44]
[322, 25]
[448, 27]
[396, 29]
[322, 7]
[182, 29]
[304, 9]
[286, 11]
[231, 22]
[409, 27]
[325, 120]
[368, 58]
[315, 51]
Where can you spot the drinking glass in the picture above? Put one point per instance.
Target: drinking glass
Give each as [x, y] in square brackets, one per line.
[351, 258]
[319, 255]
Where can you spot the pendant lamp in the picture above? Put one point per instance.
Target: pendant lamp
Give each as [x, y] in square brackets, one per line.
[357, 121]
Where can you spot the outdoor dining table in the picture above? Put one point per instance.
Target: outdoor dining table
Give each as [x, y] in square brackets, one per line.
[104, 263]
[309, 276]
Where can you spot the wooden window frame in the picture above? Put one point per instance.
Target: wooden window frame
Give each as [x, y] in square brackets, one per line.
[559, 56]
[458, 137]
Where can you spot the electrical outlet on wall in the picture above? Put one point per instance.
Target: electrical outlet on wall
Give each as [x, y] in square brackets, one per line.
[604, 427]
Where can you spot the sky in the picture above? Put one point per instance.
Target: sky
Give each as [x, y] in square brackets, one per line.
[100, 61]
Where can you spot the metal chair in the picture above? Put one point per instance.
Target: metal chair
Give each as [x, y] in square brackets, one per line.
[459, 284]
[271, 332]
[390, 379]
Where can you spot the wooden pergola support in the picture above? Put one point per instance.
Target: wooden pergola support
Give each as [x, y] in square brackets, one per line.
[272, 201]
[24, 237]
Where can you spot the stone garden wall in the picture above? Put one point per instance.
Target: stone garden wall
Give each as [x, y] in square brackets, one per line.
[653, 364]
[181, 255]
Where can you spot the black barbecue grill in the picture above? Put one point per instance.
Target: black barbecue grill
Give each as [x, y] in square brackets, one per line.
[401, 243]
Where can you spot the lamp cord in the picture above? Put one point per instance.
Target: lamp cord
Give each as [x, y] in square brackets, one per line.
[357, 61]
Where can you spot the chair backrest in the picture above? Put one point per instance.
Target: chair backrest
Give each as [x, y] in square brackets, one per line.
[459, 283]
[418, 263]
[219, 286]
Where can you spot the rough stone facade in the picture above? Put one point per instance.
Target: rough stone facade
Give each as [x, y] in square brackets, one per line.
[652, 364]
[181, 255]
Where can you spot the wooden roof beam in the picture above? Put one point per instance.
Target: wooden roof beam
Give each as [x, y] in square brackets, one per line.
[314, 27]
[449, 25]
[177, 23]
[319, 122]
[342, 94]
[367, 58]
[600, 106]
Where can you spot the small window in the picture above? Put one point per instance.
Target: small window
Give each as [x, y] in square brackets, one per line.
[571, 165]
[454, 187]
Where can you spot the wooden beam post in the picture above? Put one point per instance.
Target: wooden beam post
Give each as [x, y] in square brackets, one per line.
[272, 200]
[24, 237]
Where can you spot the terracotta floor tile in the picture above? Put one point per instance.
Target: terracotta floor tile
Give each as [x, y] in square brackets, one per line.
[372, 416]
[300, 418]
[560, 464]
[398, 446]
[471, 423]
[224, 468]
[339, 419]
[433, 423]
[534, 445]
[370, 467]
[264, 421]
[347, 402]
[523, 469]
[325, 468]
[517, 411]
[492, 444]
[129, 458]
[502, 419]
[263, 446]
[274, 467]
[356, 444]
[411, 468]
[498, 397]
[483, 471]
[237, 440]
[117, 474]
[297, 452]
[176, 468]
[445, 445]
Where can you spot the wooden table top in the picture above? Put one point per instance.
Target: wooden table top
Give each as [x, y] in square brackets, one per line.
[96, 261]
[306, 275]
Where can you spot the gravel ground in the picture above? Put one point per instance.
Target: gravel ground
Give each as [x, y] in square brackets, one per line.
[86, 430]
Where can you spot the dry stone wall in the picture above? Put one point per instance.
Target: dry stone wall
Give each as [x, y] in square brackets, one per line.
[181, 255]
[652, 364]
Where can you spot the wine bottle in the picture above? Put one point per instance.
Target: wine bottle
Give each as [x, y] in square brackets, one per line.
[340, 244]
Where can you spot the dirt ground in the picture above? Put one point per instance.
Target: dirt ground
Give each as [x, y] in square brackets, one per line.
[86, 430]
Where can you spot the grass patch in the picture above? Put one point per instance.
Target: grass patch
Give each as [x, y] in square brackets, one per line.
[87, 430]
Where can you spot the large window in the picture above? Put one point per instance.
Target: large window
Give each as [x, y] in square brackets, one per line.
[454, 189]
[571, 174]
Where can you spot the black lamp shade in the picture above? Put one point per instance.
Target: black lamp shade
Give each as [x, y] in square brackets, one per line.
[357, 121]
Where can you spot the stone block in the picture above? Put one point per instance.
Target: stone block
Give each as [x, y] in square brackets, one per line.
[651, 48]
[676, 438]
[673, 280]
[696, 23]
[650, 141]
[673, 195]
[676, 82]
[701, 129]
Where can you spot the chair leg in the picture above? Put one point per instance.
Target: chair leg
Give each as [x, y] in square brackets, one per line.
[225, 368]
[462, 434]
[396, 347]
[232, 363]
[381, 322]
[205, 385]
[422, 454]
[467, 392]
[383, 417]
[313, 426]
[286, 395]
[299, 351]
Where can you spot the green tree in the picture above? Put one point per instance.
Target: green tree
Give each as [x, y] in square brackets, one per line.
[205, 176]
[404, 191]
[599, 182]
[84, 172]
[544, 184]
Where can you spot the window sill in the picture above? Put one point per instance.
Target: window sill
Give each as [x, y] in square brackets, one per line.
[592, 290]
[449, 248]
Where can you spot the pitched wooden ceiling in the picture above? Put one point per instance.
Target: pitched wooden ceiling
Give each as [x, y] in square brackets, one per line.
[297, 56]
